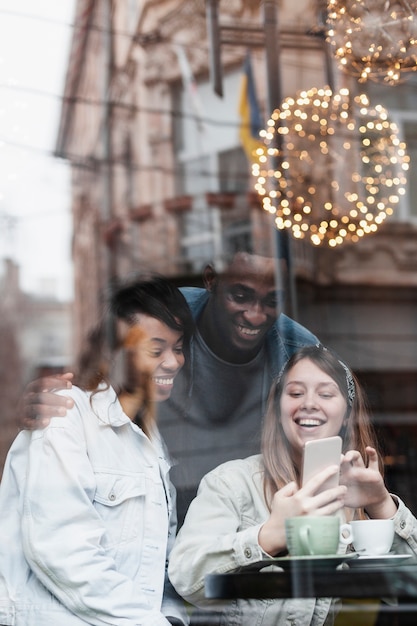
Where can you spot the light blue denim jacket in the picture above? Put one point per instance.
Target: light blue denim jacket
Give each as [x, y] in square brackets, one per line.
[87, 519]
[283, 338]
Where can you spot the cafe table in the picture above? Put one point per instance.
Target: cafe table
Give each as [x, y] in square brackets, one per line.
[391, 579]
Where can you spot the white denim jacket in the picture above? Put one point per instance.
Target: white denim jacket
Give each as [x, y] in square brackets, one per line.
[87, 521]
[220, 534]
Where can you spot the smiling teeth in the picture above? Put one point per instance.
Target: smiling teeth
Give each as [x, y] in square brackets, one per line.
[309, 422]
[164, 381]
[249, 331]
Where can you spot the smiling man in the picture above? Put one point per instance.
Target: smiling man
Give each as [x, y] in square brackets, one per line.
[242, 308]
[242, 340]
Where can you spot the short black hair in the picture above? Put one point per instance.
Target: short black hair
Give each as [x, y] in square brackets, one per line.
[156, 297]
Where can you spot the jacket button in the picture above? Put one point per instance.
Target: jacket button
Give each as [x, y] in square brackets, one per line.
[112, 496]
[402, 524]
[248, 553]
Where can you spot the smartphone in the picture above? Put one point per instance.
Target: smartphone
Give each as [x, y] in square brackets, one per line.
[319, 454]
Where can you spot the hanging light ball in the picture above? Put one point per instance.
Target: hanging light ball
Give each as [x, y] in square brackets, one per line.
[374, 39]
[332, 167]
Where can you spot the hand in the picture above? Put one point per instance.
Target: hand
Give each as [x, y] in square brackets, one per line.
[39, 402]
[291, 501]
[365, 485]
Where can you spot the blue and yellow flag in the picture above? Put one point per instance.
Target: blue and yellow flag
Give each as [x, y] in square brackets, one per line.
[249, 111]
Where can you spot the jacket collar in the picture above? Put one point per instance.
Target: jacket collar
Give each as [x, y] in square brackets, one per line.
[106, 404]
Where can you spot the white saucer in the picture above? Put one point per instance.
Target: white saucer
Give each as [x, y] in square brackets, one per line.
[319, 561]
[368, 560]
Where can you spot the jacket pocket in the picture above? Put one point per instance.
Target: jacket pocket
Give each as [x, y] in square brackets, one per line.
[120, 501]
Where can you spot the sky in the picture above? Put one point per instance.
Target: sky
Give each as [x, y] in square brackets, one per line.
[35, 221]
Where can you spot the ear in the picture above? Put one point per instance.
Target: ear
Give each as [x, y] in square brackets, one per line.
[210, 277]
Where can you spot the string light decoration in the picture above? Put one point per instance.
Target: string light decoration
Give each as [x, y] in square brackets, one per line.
[374, 39]
[332, 167]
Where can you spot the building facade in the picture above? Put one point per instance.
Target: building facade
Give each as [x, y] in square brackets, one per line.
[160, 180]
[36, 340]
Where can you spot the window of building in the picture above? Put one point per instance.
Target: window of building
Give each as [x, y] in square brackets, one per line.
[237, 236]
[201, 234]
[403, 95]
[233, 171]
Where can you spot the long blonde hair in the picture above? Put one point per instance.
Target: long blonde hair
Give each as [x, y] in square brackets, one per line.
[357, 433]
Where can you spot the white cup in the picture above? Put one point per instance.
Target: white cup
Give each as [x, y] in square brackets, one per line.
[372, 537]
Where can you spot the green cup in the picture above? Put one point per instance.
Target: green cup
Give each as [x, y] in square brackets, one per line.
[314, 536]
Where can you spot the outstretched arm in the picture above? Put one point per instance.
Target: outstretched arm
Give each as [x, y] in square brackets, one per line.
[39, 402]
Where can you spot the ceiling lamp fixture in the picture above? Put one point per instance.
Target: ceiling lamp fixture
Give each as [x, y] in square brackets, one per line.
[332, 167]
[374, 39]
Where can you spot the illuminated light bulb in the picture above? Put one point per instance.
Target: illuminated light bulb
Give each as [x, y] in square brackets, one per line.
[299, 188]
[373, 40]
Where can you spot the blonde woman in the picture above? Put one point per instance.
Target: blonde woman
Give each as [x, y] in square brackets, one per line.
[239, 513]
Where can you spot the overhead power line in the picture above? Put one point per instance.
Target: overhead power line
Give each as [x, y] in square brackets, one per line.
[92, 27]
[121, 105]
[92, 163]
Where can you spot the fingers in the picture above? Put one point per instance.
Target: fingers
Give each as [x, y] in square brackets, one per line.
[352, 458]
[313, 485]
[329, 496]
[313, 499]
[36, 410]
[373, 462]
[39, 402]
[330, 508]
[316, 498]
[34, 415]
[325, 503]
[27, 423]
[289, 490]
[51, 383]
[46, 404]
[67, 376]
